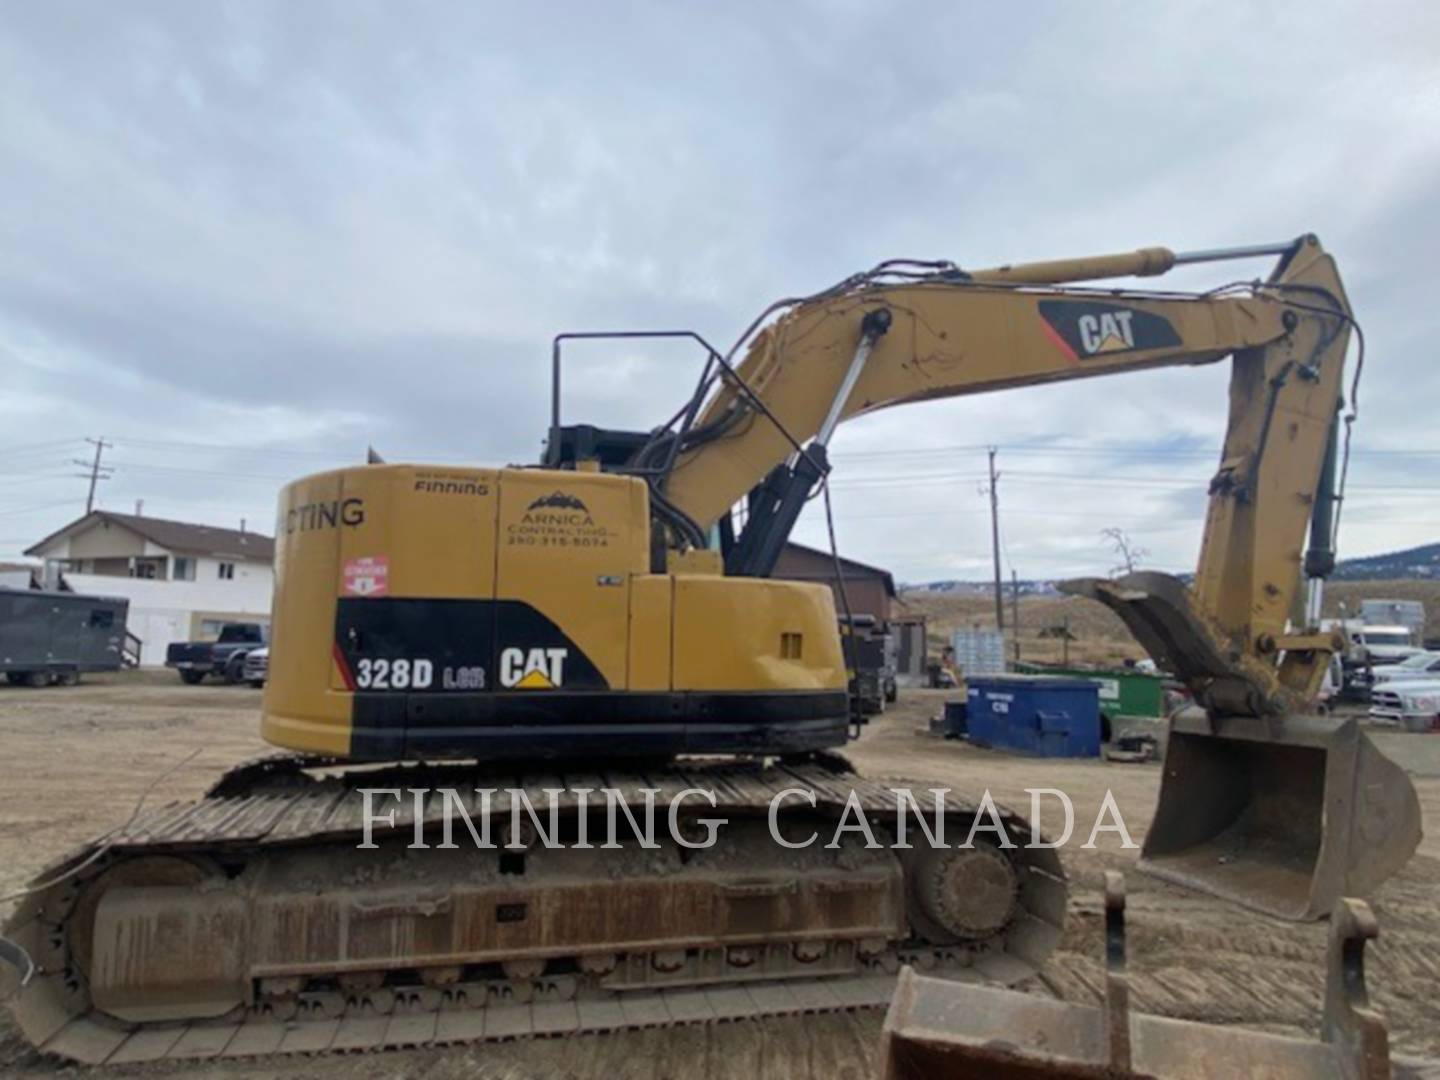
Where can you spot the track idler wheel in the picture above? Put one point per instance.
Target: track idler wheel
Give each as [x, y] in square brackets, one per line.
[961, 894]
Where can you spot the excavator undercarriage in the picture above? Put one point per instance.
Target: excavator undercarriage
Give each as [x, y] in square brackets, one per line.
[253, 922]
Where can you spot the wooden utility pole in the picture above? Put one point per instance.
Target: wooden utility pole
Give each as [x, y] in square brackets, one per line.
[995, 543]
[1015, 612]
[95, 470]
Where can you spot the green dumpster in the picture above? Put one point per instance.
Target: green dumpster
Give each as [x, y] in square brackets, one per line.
[1123, 692]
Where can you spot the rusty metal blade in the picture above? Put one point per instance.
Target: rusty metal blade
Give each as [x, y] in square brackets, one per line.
[939, 1028]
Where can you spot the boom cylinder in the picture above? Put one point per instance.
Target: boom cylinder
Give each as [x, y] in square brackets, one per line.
[1146, 262]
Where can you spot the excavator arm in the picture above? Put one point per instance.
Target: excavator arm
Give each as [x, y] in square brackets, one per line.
[1260, 803]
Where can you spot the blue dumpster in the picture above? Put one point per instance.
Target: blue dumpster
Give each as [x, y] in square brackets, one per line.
[1035, 714]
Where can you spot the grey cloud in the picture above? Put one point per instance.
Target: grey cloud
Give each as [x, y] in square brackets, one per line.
[363, 221]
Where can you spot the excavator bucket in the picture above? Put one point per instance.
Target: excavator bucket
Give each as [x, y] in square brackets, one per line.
[937, 1028]
[1283, 814]
[1279, 811]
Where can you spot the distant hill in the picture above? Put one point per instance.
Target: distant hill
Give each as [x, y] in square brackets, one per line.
[1098, 636]
[1413, 564]
[981, 588]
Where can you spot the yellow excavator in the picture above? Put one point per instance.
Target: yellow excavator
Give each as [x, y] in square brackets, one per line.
[607, 622]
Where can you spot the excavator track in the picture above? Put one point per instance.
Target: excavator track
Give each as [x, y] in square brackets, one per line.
[251, 922]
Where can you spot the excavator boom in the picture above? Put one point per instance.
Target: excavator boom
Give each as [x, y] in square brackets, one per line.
[1250, 786]
[937, 335]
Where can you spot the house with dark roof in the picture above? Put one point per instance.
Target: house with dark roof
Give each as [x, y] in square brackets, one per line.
[870, 590]
[184, 580]
[155, 549]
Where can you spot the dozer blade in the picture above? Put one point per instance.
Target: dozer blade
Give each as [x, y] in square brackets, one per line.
[1282, 814]
[937, 1028]
[1279, 811]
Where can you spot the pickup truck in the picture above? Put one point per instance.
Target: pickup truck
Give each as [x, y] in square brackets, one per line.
[872, 678]
[257, 666]
[1415, 706]
[1420, 667]
[224, 657]
[1367, 647]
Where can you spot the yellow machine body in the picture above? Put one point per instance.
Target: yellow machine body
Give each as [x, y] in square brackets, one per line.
[606, 607]
[450, 612]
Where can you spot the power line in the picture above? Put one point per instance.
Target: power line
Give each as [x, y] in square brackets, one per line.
[246, 507]
[1113, 449]
[37, 507]
[897, 480]
[355, 455]
[137, 466]
[51, 463]
[1152, 449]
[1082, 480]
[1010, 511]
[32, 478]
[25, 449]
[1045, 450]
[45, 461]
[259, 451]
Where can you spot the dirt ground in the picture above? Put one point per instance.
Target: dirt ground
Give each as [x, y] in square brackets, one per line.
[77, 759]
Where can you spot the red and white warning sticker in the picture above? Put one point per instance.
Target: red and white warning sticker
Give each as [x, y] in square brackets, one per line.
[367, 576]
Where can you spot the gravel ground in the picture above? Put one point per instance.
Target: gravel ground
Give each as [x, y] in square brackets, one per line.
[78, 759]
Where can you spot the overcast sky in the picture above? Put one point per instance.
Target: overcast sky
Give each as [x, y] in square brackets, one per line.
[243, 240]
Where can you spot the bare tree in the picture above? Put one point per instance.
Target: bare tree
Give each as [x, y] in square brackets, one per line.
[1126, 550]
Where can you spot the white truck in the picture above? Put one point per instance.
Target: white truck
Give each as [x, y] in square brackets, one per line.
[1415, 706]
[1407, 613]
[1368, 646]
[1384, 643]
[1422, 667]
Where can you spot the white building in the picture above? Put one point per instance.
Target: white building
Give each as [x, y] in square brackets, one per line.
[14, 575]
[183, 581]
